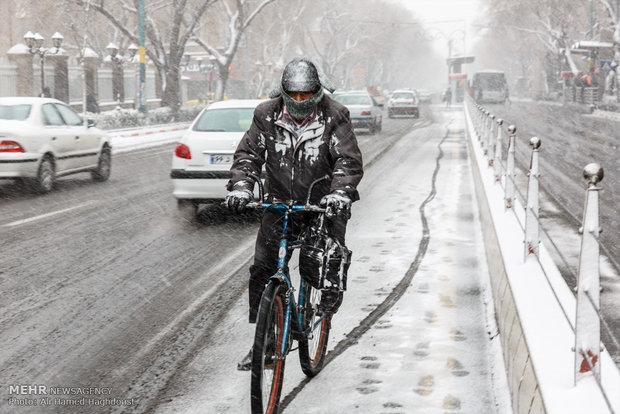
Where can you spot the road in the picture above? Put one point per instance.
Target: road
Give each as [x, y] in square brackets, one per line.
[106, 285]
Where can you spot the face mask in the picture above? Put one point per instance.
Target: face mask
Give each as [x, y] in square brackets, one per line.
[300, 110]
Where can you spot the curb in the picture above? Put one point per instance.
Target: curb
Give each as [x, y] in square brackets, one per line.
[124, 133]
[613, 116]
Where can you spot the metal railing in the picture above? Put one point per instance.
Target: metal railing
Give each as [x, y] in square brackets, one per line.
[588, 320]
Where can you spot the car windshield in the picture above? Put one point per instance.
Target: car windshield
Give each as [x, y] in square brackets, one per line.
[353, 99]
[402, 95]
[15, 112]
[225, 120]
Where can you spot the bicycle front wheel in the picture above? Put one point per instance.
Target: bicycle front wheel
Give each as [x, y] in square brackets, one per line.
[313, 347]
[267, 358]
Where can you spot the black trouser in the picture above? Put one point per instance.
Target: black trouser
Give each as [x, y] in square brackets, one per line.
[267, 246]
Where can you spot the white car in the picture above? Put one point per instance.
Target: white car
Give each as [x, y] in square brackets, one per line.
[43, 138]
[202, 159]
[403, 102]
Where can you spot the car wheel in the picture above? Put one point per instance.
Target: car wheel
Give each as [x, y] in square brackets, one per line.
[372, 129]
[380, 126]
[104, 165]
[46, 176]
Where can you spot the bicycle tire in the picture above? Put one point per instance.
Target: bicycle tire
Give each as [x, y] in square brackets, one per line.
[267, 363]
[312, 349]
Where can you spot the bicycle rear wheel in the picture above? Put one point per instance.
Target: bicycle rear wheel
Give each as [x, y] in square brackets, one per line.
[267, 359]
[313, 347]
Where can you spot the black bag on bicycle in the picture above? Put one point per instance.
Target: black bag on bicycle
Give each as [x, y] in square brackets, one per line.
[326, 266]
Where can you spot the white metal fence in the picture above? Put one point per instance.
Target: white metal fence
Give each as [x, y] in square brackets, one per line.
[589, 321]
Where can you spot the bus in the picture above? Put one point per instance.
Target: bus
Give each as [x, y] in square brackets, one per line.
[489, 86]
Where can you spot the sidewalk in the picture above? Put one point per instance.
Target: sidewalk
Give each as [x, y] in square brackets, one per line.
[435, 350]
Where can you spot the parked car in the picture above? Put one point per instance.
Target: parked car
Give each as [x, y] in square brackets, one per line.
[43, 138]
[202, 159]
[403, 102]
[365, 111]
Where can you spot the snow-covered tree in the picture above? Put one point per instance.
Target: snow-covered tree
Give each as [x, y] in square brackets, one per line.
[512, 25]
[613, 12]
[240, 14]
[279, 30]
[168, 27]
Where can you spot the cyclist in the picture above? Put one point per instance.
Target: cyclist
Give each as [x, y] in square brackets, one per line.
[299, 136]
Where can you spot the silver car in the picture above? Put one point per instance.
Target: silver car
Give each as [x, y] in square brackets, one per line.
[365, 111]
[43, 138]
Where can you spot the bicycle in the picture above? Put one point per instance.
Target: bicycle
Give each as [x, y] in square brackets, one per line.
[281, 318]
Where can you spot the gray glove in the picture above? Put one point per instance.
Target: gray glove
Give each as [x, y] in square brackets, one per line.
[236, 200]
[337, 204]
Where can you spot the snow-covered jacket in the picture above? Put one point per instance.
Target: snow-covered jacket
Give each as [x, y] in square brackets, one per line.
[327, 146]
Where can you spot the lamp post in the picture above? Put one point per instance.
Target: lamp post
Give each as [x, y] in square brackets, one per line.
[35, 47]
[133, 50]
[142, 17]
[454, 63]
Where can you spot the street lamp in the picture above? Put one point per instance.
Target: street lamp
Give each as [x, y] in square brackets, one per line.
[133, 50]
[117, 65]
[113, 51]
[35, 47]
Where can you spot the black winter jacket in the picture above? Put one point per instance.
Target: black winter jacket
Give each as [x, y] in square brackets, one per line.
[327, 146]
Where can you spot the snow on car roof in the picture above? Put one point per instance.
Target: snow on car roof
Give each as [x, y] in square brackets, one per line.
[236, 103]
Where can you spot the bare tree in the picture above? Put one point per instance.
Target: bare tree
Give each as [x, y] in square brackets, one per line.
[337, 38]
[280, 29]
[554, 30]
[613, 11]
[179, 19]
[239, 19]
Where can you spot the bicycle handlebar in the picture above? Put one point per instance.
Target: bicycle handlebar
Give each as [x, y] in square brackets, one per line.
[284, 206]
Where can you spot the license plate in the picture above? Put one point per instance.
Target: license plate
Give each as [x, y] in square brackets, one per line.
[220, 158]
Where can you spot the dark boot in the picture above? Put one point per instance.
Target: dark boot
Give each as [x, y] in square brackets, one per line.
[331, 299]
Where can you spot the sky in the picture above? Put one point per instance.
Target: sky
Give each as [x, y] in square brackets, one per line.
[447, 18]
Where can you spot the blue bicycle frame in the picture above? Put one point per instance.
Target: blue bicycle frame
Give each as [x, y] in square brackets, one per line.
[281, 275]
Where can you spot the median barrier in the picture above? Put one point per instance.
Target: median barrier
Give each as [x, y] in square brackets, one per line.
[535, 309]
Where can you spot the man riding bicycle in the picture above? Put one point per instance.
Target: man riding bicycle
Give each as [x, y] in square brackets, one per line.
[299, 136]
